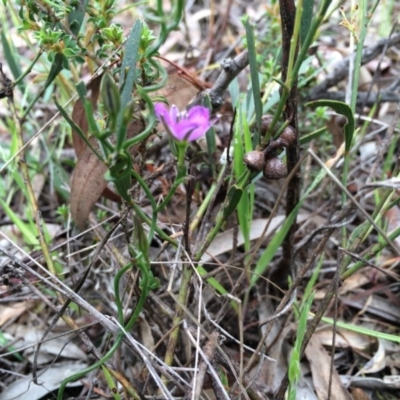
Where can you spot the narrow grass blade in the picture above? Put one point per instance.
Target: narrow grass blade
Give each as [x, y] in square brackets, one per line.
[12, 58]
[278, 238]
[255, 81]
[26, 230]
[306, 19]
[128, 72]
[362, 330]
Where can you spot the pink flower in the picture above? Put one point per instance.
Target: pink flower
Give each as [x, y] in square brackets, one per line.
[188, 126]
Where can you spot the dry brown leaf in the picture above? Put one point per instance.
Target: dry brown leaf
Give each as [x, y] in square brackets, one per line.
[13, 311]
[376, 363]
[50, 379]
[146, 334]
[359, 394]
[320, 362]
[178, 91]
[87, 184]
[273, 369]
[88, 181]
[374, 304]
[223, 242]
[344, 338]
[60, 346]
[357, 280]
[383, 65]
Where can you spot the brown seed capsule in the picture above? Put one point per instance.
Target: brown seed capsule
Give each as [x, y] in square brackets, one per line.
[288, 136]
[274, 168]
[265, 123]
[254, 160]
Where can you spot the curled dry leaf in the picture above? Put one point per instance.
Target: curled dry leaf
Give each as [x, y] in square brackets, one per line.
[88, 182]
[87, 185]
[376, 363]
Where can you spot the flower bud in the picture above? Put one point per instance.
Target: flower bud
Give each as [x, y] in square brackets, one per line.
[288, 136]
[265, 123]
[275, 169]
[254, 160]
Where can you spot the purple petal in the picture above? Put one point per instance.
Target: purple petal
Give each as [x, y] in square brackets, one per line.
[163, 114]
[174, 113]
[200, 115]
[196, 134]
[183, 129]
[188, 126]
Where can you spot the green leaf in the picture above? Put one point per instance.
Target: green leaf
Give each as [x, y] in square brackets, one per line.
[81, 90]
[255, 82]
[129, 62]
[26, 231]
[56, 67]
[128, 72]
[3, 343]
[294, 367]
[12, 58]
[342, 109]
[313, 135]
[266, 257]
[306, 19]
[211, 281]
[277, 240]
[110, 383]
[110, 95]
[234, 195]
[120, 174]
[75, 17]
[140, 238]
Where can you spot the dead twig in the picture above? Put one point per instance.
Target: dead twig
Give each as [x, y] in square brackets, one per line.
[341, 69]
[230, 70]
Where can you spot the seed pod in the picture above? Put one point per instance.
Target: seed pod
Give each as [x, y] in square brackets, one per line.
[265, 123]
[288, 136]
[275, 169]
[254, 160]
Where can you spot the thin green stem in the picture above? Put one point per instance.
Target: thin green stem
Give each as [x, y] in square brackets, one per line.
[150, 196]
[371, 253]
[300, 58]
[180, 176]
[203, 207]
[138, 210]
[150, 123]
[293, 46]
[30, 67]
